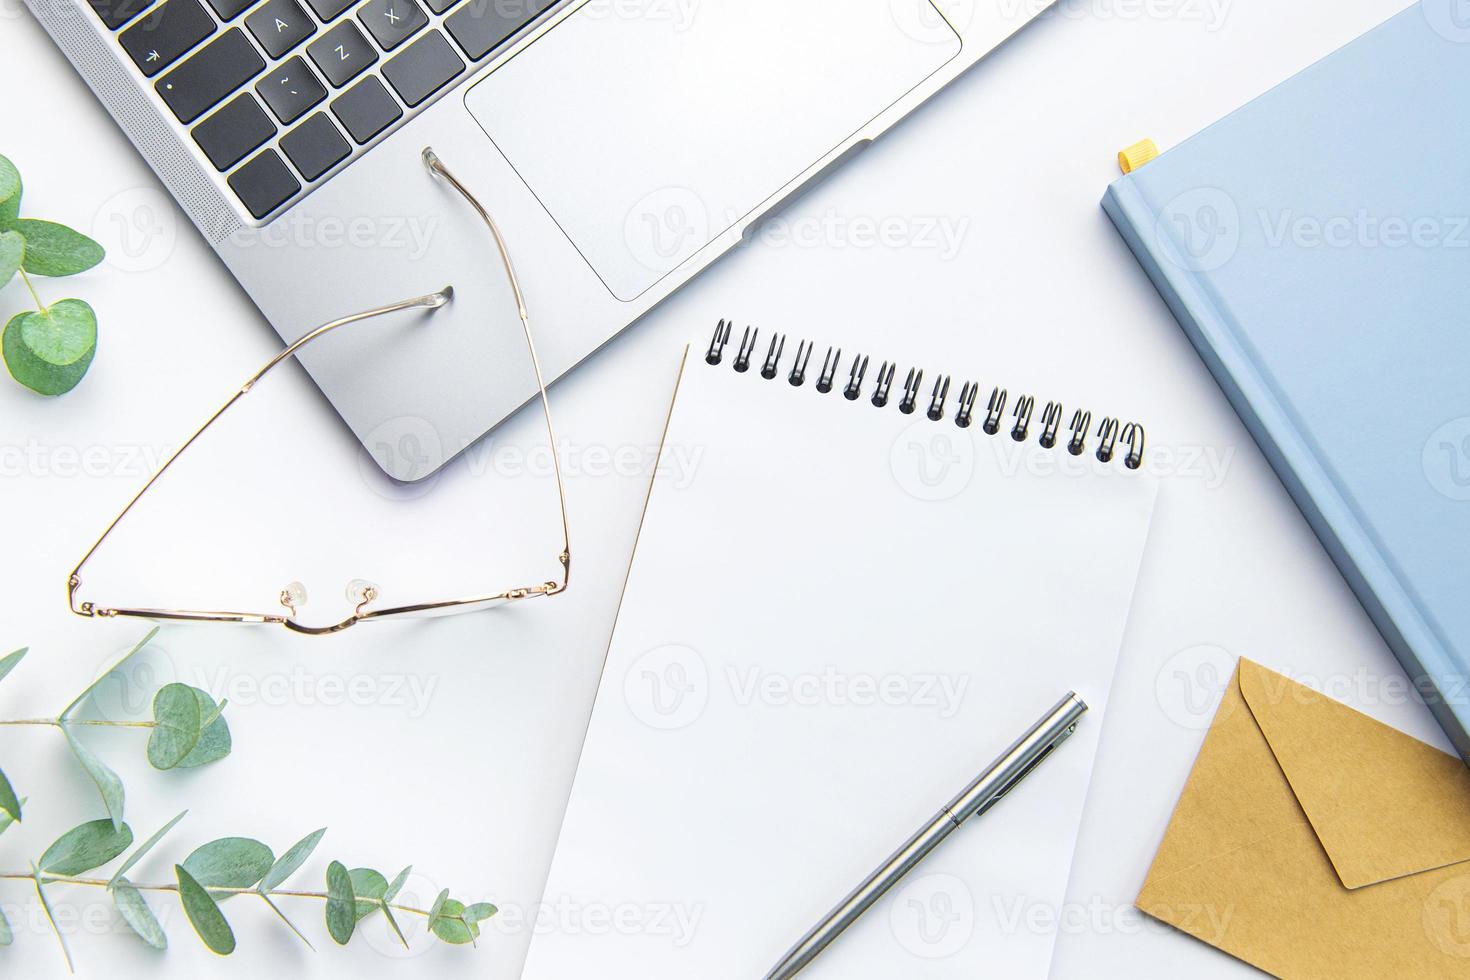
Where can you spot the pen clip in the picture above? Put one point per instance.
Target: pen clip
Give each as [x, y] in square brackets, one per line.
[1025, 770]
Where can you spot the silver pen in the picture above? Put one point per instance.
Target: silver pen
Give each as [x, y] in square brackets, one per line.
[996, 781]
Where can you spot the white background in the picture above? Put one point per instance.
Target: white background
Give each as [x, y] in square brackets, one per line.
[453, 745]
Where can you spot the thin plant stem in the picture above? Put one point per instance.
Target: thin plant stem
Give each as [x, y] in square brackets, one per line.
[57, 722]
[48, 877]
[27, 280]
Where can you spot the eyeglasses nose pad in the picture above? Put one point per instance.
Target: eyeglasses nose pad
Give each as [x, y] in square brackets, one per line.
[293, 596]
[360, 592]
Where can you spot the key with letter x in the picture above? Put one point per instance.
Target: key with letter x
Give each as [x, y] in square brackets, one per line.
[392, 21]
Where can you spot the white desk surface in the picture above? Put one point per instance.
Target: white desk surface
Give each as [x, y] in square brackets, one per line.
[1039, 293]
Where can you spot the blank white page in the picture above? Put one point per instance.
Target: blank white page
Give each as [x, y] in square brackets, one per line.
[836, 616]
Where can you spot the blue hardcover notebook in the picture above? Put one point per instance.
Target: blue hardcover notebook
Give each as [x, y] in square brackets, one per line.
[1315, 246]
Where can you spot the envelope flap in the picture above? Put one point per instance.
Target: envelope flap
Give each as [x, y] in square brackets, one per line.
[1383, 804]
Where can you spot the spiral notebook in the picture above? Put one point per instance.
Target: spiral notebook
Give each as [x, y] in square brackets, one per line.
[859, 586]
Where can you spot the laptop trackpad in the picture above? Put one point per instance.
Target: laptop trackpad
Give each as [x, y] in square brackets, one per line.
[648, 128]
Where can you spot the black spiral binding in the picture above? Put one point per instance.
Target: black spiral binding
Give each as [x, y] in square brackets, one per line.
[1110, 431]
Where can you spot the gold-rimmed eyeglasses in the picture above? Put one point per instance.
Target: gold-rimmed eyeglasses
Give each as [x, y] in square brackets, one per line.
[362, 594]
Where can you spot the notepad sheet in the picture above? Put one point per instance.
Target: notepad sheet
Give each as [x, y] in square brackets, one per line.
[836, 616]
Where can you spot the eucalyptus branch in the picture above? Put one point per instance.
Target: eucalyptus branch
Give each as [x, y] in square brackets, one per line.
[228, 867]
[186, 731]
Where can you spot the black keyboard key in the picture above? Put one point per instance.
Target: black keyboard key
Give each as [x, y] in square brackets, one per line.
[329, 9]
[264, 184]
[315, 146]
[342, 53]
[209, 75]
[290, 89]
[116, 13]
[439, 6]
[366, 109]
[480, 26]
[157, 41]
[392, 21]
[234, 131]
[280, 25]
[230, 9]
[424, 67]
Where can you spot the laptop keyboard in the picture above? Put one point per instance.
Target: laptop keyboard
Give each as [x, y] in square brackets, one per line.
[277, 93]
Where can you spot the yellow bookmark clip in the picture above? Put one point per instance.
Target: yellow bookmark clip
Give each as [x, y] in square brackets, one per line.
[1136, 155]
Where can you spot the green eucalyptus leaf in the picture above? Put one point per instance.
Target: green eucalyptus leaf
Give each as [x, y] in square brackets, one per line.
[50, 351]
[294, 858]
[341, 904]
[438, 905]
[451, 926]
[204, 915]
[108, 783]
[146, 846]
[12, 254]
[136, 913]
[479, 912]
[65, 712]
[8, 662]
[85, 847]
[175, 726]
[230, 862]
[9, 805]
[214, 739]
[6, 820]
[368, 886]
[289, 924]
[51, 918]
[393, 924]
[6, 936]
[55, 250]
[10, 188]
[397, 884]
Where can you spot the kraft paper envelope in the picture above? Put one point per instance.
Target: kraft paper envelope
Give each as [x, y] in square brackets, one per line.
[1314, 841]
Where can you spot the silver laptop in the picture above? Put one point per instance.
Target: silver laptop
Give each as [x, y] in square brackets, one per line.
[622, 145]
